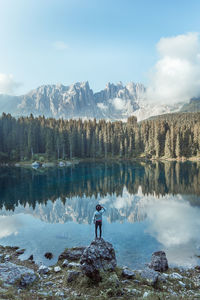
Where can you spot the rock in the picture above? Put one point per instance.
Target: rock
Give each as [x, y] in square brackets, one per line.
[146, 294]
[72, 254]
[20, 251]
[35, 165]
[99, 255]
[65, 263]
[74, 265]
[149, 275]
[49, 283]
[134, 292]
[125, 281]
[48, 255]
[59, 294]
[159, 261]
[175, 276]
[43, 269]
[26, 279]
[1, 256]
[11, 272]
[114, 280]
[72, 275]
[57, 269]
[162, 277]
[182, 284]
[30, 257]
[7, 257]
[128, 273]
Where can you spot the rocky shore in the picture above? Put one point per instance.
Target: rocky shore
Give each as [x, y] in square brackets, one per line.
[92, 273]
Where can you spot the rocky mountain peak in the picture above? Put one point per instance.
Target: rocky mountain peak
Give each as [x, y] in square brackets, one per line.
[114, 102]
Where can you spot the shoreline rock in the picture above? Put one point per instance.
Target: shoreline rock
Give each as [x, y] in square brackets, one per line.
[67, 279]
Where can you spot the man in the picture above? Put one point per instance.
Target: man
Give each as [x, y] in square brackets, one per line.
[97, 218]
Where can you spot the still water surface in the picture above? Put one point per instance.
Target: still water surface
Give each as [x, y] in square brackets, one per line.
[153, 206]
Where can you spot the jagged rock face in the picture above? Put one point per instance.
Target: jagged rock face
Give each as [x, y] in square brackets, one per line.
[98, 256]
[76, 101]
[10, 273]
[115, 102]
[59, 101]
[159, 261]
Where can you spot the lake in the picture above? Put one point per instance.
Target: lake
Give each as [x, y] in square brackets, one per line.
[149, 206]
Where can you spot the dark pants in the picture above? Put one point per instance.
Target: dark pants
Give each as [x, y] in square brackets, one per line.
[98, 224]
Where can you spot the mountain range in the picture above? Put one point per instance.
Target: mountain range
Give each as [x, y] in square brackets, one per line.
[115, 102]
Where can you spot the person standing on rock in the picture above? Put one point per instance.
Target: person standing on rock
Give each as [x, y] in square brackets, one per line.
[97, 218]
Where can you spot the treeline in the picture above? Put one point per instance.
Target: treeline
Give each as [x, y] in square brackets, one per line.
[169, 136]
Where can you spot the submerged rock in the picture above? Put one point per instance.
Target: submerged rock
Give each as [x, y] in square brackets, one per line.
[31, 257]
[72, 254]
[159, 261]
[48, 255]
[98, 256]
[20, 251]
[10, 273]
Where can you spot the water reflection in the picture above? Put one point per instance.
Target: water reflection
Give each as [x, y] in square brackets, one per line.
[21, 186]
[149, 207]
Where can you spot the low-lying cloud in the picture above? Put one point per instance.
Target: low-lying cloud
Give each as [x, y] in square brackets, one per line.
[176, 75]
[7, 84]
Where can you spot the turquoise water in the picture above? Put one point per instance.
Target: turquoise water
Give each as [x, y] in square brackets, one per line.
[150, 207]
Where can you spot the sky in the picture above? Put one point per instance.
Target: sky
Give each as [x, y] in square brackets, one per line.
[66, 41]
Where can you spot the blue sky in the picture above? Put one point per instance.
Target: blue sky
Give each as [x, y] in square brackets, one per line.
[65, 41]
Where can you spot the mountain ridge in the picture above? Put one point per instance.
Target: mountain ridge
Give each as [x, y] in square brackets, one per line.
[114, 102]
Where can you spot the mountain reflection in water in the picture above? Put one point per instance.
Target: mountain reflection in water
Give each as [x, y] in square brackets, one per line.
[149, 207]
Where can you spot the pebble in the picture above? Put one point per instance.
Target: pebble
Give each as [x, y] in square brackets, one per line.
[43, 269]
[65, 263]
[181, 283]
[146, 294]
[73, 264]
[175, 276]
[134, 292]
[49, 283]
[59, 294]
[57, 269]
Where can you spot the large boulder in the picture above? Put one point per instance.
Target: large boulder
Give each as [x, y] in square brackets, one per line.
[159, 261]
[98, 256]
[12, 273]
[72, 254]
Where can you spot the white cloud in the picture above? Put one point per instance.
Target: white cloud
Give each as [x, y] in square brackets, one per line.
[118, 103]
[60, 45]
[173, 221]
[7, 84]
[176, 75]
[102, 106]
[9, 225]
